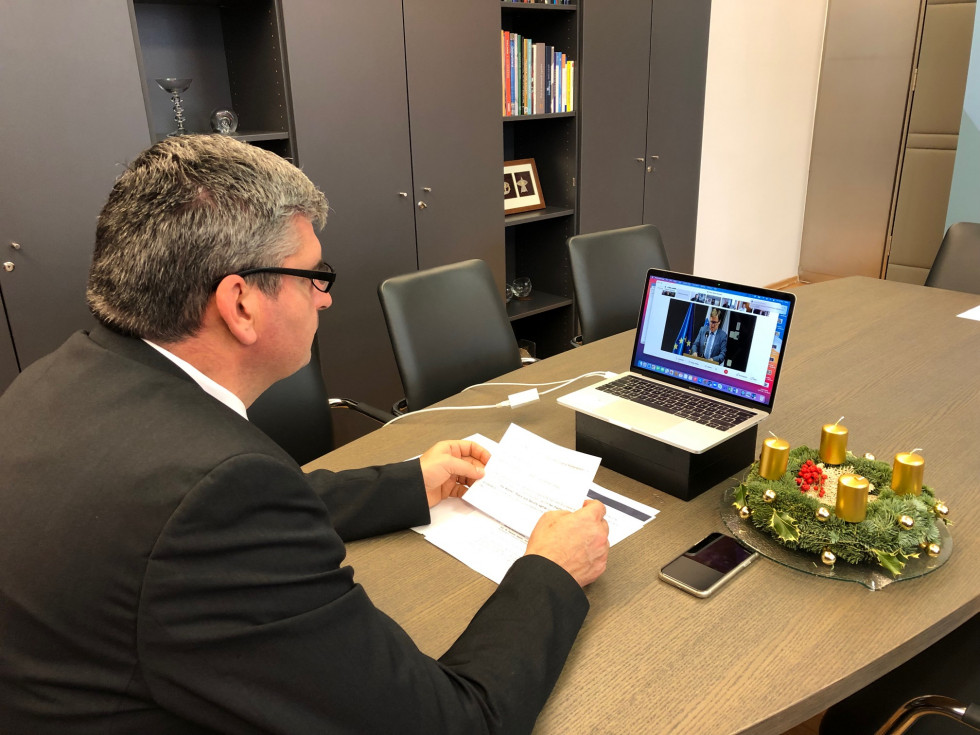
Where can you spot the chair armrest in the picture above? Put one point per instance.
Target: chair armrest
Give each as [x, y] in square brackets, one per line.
[368, 410]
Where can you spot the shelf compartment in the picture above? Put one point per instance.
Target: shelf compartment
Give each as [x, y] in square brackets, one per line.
[233, 54]
[536, 6]
[538, 303]
[543, 116]
[537, 215]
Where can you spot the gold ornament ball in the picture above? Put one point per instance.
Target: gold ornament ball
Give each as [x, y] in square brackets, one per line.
[906, 522]
[869, 455]
[822, 514]
[769, 495]
[744, 512]
[934, 549]
[941, 510]
[828, 557]
[923, 544]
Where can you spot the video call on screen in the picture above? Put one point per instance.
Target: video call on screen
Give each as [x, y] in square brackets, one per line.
[676, 312]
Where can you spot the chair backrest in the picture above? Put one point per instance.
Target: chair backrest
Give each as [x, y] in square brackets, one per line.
[957, 264]
[607, 275]
[295, 412]
[448, 328]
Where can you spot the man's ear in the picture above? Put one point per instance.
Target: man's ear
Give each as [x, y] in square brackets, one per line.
[237, 304]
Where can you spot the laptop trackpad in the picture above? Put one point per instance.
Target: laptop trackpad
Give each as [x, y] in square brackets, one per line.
[651, 420]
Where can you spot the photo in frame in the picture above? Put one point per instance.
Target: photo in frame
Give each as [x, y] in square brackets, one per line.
[522, 188]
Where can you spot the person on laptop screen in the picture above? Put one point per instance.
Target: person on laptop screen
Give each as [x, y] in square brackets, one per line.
[712, 341]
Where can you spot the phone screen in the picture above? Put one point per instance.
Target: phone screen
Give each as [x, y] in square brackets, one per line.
[706, 565]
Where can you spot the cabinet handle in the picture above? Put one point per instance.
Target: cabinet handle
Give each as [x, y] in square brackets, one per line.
[641, 160]
[403, 193]
[8, 266]
[15, 245]
[655, 158]
[427, 189]
[423, 205]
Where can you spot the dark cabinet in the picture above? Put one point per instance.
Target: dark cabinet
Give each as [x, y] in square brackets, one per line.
[396, 119]
[453, 57]
[642, 118]
[72, 115]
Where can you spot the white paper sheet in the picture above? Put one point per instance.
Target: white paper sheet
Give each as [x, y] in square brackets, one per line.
[528, 476]
[489, 547]
[973, 313]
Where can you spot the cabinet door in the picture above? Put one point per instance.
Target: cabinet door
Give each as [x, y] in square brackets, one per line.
[454, 87]
[613, 112]
[8, 359]
[347, 76]
[678, 65]
[72, 115]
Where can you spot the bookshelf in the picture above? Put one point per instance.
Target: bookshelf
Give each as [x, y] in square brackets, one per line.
[535, 241]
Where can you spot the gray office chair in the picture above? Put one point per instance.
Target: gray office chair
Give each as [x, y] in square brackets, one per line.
[957, 264]
[607, 276]
[449, 329]
[295, 412]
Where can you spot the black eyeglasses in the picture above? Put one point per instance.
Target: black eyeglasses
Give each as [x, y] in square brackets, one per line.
[322, 278]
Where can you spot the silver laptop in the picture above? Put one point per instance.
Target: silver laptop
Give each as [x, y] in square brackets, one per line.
[706, 362]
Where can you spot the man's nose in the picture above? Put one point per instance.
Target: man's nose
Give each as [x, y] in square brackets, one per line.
[324, 301]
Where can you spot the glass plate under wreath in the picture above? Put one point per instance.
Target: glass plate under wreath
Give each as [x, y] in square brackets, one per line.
[869, 574]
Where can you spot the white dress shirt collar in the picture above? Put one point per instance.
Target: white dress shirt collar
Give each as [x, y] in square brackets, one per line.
[207, 385]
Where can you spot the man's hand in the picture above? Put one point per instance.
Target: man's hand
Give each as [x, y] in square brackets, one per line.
[449, 467]
[577, 542]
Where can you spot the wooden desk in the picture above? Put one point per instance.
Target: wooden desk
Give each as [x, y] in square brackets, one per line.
[776, 646]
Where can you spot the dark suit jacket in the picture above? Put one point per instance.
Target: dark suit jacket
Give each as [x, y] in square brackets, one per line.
[718, 347]
[166, 568]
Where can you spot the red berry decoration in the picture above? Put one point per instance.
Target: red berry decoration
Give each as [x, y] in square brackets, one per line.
[811, 477]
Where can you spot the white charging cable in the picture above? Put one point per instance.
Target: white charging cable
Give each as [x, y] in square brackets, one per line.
[513, 400]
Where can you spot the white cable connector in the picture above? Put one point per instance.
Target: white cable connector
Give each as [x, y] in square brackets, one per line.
[525, 396]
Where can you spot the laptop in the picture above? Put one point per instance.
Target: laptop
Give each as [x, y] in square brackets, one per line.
[705, 366]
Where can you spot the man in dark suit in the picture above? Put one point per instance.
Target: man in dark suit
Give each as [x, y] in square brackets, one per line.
[165, 567]
[712, 340]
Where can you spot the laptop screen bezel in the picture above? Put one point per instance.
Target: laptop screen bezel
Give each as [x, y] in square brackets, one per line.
[714, 283]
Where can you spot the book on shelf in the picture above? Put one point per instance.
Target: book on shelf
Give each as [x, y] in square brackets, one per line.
[539, 80]
[536, 78]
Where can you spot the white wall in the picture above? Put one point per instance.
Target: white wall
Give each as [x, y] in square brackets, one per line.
[761, 89]
[964, 195]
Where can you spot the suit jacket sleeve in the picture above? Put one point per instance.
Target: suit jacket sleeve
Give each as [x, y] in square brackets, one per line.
[374, 500]
[248, 623]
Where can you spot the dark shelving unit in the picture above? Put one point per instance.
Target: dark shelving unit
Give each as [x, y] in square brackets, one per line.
[536, 240]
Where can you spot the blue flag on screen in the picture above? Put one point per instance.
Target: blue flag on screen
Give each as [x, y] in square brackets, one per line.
[684, 337]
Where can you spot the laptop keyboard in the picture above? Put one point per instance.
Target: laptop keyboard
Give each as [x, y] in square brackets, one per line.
[677, 402]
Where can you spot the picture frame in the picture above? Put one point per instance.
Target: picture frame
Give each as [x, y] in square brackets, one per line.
[522, 187]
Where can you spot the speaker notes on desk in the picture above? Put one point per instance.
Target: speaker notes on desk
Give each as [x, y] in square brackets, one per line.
[527, 476]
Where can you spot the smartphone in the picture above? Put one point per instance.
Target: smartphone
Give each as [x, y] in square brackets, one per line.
[708, 564]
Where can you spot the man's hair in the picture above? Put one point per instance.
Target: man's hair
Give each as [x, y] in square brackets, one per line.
[187, 212]
[716, 312]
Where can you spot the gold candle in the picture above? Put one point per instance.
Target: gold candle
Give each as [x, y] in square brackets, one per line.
[833, 443]
[852, 498]
[907, 473]
[774, 459]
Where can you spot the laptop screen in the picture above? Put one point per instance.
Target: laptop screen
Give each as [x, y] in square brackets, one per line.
[714, 337]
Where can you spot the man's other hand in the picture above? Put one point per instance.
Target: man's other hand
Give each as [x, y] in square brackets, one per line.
[450, 467]
[577, 542]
